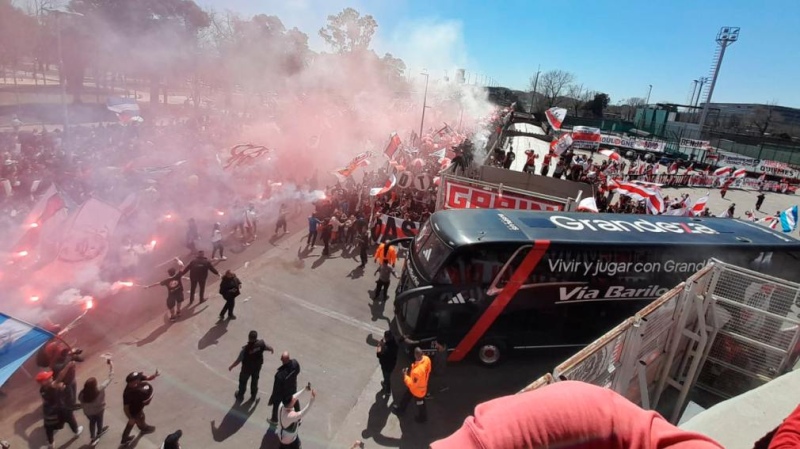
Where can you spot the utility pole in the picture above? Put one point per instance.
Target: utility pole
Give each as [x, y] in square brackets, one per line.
[62, 77]
[725, 37]
[424, 105]
[535, 84]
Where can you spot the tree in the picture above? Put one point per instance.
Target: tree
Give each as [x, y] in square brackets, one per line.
[733, 123]
[349, 31]
[598, 104]
[16, 37]
[554, 84]
[763, 117]
[577, 96]
[155, 38]
[393, 67]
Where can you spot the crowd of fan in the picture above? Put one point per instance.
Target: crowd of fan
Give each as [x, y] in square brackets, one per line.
[88, 159]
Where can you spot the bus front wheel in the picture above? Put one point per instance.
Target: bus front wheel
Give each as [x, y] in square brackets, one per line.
[491, 352]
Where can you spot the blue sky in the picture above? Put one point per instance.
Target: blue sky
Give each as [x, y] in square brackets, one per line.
[618, 47]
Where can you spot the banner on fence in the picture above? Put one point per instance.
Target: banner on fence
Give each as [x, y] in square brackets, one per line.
[633, 143]
[695, 144]
[463, 196]
[389, 227]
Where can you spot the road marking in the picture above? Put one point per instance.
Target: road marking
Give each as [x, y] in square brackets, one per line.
[327, 312]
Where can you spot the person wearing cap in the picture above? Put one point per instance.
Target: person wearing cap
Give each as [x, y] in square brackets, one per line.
[56, 411]
[138, 393]
[289, 418]
[252, 358]
[198, 270]
[416, 380]
[569, 414]
[173, 440]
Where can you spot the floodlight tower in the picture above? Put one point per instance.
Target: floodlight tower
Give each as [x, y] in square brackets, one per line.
[725, 37]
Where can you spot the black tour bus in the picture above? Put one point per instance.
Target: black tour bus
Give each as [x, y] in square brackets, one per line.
[495, 280]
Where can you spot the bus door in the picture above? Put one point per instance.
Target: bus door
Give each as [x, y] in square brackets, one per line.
[444, 313]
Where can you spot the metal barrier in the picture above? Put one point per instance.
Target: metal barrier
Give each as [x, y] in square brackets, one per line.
[725, 330]
[757, 341]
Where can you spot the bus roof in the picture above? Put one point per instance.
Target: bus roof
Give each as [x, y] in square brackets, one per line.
[473, 226]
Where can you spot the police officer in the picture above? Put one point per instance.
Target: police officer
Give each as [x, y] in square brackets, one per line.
[198, 270]
[251, 357]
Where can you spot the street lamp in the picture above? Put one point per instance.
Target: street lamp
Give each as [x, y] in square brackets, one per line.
[725, 37]
[424, 104]
[58, 12]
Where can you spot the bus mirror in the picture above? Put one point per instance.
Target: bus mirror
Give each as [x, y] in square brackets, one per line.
[405, 242]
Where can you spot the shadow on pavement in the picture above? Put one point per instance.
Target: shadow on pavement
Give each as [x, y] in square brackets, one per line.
[270, 440]
[377, 308]
[372, 341]
[153, 336]
[356, 273]
[321, 260]
[25, 422]
[378, 416]
[469, 384]
[233, 420]
[213, 334]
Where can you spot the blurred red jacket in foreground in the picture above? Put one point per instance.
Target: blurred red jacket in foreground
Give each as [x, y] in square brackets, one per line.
[570, 415]
[788, 433]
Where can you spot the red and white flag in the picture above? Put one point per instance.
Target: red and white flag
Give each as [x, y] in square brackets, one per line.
[722, 171]
[555, 116]
[762, 178]
[740, 173]
[586, 136]
[770, 222]
[655, 202]
[394, 144]
[689, 168]
[386, 187]
[650, 195]
[559, 146]
[611, 154]
[673, 168]
[587, 205]
[700, 205]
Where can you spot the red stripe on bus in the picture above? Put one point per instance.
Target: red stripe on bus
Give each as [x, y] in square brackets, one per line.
[499, 304]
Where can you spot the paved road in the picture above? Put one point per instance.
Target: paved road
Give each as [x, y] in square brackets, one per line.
[316, 308]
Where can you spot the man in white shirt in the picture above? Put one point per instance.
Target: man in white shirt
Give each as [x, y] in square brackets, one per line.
[289, 419]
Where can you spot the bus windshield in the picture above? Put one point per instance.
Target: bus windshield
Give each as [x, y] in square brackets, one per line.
[429, 251]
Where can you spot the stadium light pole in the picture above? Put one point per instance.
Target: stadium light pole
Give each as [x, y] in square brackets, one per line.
[694, 91]
[58, 12]
[424, 104]
[725, 37]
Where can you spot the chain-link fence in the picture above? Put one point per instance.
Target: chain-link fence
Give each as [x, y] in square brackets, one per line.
[759, 333]
[725, 330]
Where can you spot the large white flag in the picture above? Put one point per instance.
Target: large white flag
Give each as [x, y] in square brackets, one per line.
[555, 116]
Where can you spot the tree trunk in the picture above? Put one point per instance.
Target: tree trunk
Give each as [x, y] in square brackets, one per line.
[154, 90]
[16, 90]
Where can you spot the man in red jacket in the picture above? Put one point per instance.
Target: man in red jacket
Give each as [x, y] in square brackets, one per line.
[569, 415]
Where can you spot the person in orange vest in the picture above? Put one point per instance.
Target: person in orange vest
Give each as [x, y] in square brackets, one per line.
[416, 380]
[387, 252]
